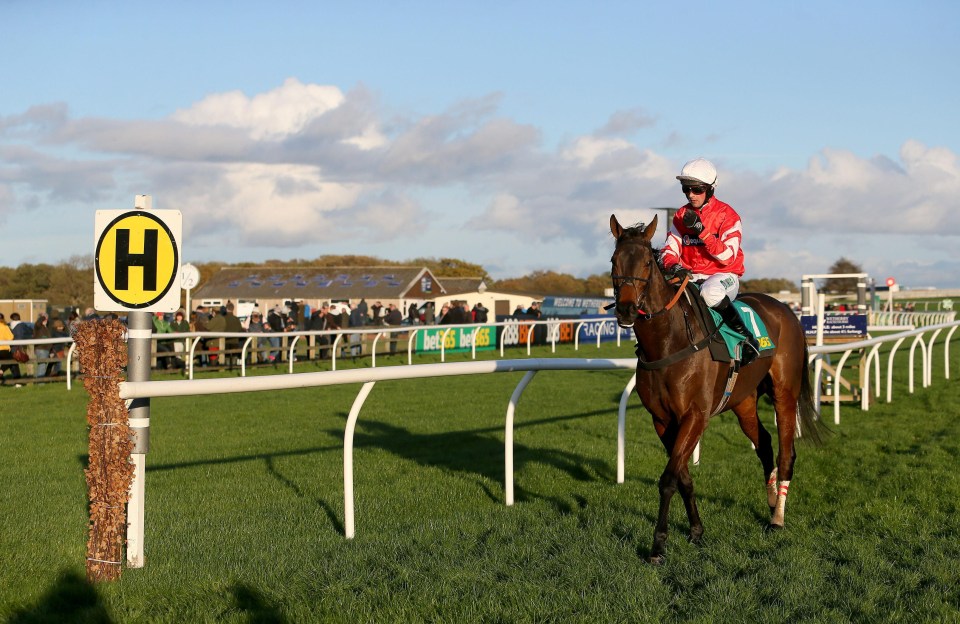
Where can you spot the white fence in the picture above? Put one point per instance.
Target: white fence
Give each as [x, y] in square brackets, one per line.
[341, 340]
[870, 349]
[885, 321]
[375, 337]
[916, 319]
[871, 361]
[368, 377]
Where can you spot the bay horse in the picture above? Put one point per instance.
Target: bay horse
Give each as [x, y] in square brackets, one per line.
[682, 386]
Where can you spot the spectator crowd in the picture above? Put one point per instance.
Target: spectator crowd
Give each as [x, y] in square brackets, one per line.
[171, 354]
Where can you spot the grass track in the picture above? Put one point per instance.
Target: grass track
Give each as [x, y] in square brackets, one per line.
[245, 510]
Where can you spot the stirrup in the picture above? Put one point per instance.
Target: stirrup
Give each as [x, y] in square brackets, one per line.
[748, 352]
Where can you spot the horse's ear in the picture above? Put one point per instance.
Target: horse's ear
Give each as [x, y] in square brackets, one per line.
[650, 229]
[615, 228]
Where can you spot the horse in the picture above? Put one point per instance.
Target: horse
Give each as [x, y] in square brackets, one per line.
[682, 386]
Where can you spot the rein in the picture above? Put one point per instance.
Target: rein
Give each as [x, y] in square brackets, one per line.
[620, 280]
[632, 279]
[675, 357]
[673, 302]
[681, 354]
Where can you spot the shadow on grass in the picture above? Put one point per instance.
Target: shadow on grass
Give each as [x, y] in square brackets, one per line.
[472, 452]
[298, 491]
[244, 458]
[258, 609]
[478, 453]
[269, 462]
[71, 598]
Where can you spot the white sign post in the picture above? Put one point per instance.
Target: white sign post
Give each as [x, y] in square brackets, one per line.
[137, 260]
[189, 278]
[137, 270]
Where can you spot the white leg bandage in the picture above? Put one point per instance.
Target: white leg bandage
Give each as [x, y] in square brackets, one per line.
[772, 489]
[782, 491]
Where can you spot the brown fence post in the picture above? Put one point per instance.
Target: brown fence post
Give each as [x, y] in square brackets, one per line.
[103, 356]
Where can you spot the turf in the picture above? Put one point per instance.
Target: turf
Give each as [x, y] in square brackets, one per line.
[244, 516]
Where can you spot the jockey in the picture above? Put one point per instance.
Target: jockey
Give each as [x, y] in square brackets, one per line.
[704, 239]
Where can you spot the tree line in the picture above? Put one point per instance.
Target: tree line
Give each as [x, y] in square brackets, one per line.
[70, 283]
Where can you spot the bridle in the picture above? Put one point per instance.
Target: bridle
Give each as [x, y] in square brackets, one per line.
[619, 281]
[630, 280]
[633, 280]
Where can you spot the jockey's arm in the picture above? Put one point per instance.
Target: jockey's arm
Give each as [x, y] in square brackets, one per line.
[670, 254]
[723, 246]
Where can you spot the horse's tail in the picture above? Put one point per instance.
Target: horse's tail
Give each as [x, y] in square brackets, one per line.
[812, 426]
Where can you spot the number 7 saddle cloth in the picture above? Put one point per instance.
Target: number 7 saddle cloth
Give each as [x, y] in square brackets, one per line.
[725, 345]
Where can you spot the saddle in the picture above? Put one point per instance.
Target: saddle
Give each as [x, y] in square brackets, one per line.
[724, 342]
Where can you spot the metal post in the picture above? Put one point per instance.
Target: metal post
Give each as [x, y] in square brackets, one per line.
[139, 333]
[806, 288]
[670, 210]
[140, 330]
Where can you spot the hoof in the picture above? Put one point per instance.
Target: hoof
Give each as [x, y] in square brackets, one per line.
[773, 528]
[656, 560]
[695, 537]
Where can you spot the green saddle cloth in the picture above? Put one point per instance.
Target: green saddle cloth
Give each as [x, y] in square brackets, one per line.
[751, 320]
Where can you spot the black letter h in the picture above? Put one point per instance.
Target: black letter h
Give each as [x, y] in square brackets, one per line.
[147, 260]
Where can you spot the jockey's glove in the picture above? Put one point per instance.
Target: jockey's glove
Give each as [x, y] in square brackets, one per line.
[691, 221]
[675, 272]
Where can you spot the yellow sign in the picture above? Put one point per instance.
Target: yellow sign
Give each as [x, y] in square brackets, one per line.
[137, 260]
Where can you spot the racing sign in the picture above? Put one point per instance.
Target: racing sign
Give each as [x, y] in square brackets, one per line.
[137, 260]
[849, 324]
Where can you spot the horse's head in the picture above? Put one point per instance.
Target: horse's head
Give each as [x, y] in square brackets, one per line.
[634, 264]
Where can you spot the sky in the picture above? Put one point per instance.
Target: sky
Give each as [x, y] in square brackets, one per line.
[500, 133]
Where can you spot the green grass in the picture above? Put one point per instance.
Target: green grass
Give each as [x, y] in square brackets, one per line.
[244, 513]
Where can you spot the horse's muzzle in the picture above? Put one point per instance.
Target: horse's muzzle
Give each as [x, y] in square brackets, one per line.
[626, 312]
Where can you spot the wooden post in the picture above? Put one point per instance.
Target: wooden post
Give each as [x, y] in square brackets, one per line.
[103, 354]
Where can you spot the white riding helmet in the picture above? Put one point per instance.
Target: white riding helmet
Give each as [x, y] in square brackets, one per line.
[700, 170]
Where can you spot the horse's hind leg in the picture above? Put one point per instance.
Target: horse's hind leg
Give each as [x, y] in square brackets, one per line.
[750, 424]
[786, 407]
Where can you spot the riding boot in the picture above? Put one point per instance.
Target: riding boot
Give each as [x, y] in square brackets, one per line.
[750, 349]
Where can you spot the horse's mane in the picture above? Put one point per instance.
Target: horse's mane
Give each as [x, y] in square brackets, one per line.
[637, 231]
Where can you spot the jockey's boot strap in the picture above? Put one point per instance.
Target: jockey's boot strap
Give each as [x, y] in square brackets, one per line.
[751, 348]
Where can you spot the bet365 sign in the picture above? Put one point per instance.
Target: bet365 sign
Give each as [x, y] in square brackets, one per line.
[137, 260]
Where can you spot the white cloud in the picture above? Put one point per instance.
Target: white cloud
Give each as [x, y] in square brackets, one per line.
[384, 217]
[281, 112]
[273, 204]
[585, 151]
[625, 123]
[304, 164]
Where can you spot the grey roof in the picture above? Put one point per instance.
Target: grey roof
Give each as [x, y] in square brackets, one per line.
[390, 282]
[457, 285]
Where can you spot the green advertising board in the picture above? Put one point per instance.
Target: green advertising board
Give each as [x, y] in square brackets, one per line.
[457, 338]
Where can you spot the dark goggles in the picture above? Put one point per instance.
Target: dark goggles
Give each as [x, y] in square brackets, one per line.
[694, 190]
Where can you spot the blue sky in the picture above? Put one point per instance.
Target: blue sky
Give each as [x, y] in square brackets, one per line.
[501, 133]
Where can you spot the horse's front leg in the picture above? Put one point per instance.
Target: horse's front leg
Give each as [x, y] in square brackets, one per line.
[690, 502]
[668, 487]
[667, 432]
[682, 440]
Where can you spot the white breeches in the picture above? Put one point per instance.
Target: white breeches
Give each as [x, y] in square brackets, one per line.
[718, 286]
